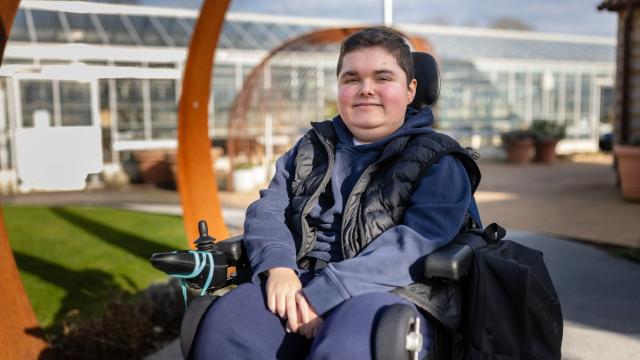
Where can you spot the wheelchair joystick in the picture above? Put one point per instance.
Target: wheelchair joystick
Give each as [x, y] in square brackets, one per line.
[204, 242]
[204, 269]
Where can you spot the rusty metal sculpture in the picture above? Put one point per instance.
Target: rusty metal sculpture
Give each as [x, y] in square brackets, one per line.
[196, 179]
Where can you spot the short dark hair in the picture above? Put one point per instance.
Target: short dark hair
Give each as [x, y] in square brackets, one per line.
[383, 37]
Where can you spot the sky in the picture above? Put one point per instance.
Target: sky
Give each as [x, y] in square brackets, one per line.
[555, 16]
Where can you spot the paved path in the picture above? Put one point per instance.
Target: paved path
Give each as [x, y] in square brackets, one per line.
[575, 199]
[600, 297]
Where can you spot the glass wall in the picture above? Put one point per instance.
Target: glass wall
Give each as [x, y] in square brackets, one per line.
[36, 96]
[132, 112]
[583, 127]
[536, 95]
[224, 91]
[473, 105]
[569, 100]
[554, 96]
[75, 103]
[163, 109]
[498, 98]
[66, 103]
[5, 128]
[106, 121]
[130, 109]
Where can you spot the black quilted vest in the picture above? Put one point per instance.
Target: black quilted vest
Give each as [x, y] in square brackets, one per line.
[380, 196]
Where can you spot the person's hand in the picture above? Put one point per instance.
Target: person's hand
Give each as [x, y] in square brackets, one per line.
[282, 286]
[310, 322]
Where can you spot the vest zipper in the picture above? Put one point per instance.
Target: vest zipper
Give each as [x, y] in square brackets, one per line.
[366, 171]
[304, 247]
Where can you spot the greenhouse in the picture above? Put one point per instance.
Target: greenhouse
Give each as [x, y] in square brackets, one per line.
[110, 75]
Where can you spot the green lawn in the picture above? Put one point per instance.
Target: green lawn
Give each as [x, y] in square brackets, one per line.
[78, 257]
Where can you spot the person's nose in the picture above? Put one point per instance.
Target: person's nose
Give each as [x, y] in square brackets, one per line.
[367, 88]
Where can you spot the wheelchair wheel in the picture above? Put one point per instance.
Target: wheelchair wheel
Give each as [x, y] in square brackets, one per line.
[397, 335]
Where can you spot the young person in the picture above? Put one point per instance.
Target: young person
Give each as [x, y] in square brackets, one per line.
[351, 208]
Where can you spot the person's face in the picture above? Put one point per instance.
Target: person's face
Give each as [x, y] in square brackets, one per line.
[373, 94]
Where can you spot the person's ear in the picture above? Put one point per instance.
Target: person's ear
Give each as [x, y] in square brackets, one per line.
[411, 90]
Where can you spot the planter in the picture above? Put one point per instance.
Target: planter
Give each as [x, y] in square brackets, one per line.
[520, 151]
[243, 180]
[259, 175]
[629, 170]
[154, 169]
[546, 151]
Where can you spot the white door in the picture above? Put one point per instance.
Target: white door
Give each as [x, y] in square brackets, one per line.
[58, 137]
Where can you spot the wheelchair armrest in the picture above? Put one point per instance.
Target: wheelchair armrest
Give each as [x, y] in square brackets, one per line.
[234, 251]
[453, 261]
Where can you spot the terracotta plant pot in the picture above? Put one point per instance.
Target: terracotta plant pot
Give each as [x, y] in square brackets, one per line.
[629, 170]
[546, 151]
[154, 168]
[519, 151]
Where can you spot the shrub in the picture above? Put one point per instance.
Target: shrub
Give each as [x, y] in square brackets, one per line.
[128, 329]
[547, 130]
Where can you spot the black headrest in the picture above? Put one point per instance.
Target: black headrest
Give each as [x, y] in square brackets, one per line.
[428, 77]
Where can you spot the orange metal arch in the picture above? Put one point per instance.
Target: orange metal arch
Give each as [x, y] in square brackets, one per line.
[196, 179]
[242, 100]
[18, 322]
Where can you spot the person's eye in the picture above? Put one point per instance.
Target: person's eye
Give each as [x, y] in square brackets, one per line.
[350, 80]
[384, 78]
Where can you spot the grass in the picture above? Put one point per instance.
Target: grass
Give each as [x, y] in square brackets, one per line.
[77, 258]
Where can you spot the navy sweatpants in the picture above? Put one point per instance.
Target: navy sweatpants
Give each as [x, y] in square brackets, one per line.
[239, 326]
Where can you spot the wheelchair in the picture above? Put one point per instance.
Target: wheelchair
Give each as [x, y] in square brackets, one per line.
[397, 335]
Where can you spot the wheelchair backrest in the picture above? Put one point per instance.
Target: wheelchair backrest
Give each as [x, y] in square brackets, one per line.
[428, 76]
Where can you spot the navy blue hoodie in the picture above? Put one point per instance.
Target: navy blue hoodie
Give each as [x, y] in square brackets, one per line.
[435, 215]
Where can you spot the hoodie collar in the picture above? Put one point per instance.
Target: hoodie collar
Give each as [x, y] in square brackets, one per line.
[415, 123]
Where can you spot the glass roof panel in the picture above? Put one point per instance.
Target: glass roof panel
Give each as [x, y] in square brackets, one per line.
[48, 27]
[224, 42]
[191, 23]
[178, 33]
[471, 47]
[19, 30]
[82, 28]
[147, 32]
[298, 30]
[266, 36]
[115, 29]
[236, 40]
[261, 35]
[280, 31]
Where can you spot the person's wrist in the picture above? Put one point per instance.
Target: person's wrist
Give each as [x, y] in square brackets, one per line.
[280, 270]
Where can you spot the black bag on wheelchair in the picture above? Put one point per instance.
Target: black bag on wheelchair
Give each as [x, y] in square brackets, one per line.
[510, 307]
